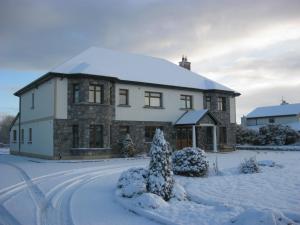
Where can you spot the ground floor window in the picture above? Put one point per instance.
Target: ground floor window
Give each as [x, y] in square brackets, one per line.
[184, 137]
[22, 136]
[150, 131]
[123, 130]
[75, 132]
[30, 135]
[14, 136]
[96, 136]
[223, 135]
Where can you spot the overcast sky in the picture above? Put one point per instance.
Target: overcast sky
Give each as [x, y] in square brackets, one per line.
[250, 46]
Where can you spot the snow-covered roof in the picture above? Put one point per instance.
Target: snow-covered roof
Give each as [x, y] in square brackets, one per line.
[191, 117]
[278, 110]
[136, 68]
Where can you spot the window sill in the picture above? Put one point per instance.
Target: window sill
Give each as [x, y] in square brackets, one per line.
[91, 104]
[29, 142]
[153, 107]
[123, 105]
[186, 109]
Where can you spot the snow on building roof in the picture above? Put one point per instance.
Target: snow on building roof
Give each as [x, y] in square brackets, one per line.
[191, 117]
[278, 110]
[137, 68]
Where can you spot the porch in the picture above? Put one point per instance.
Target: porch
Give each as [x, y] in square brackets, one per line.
[197, 129]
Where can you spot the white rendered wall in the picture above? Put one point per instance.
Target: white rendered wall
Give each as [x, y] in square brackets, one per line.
[232, 110]
[61, 98]
[14, 146]
[171, 104]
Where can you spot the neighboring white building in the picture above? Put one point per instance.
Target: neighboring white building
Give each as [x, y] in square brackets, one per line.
[83, 107]
[285, 114]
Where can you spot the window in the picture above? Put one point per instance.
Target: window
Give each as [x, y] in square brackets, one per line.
[95, 93]
[271, 120]
[153, 99]
[32, 100]
[223, 135]
[14, 136]
[149, 132]
[208, 102]
[75, 134]
[30, 135]
[186, 101]
[221, 103]
[76, 94]
[96, 136]
[123, 97]
[22, 135]
[111, 95]
[123, 130]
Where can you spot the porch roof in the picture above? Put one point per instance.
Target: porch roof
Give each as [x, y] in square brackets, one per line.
[194, 117]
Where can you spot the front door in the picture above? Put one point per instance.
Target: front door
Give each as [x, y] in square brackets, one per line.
[184, 137]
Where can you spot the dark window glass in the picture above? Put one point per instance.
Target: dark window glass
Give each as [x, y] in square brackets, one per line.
[14, 135]
[111, 95]
[22, 136]
[186, 101]
[123, 130]
[208, 102]
[75, 131]
[32, 100]
[96, 136]
[150, 131]
[123, 97]
[271, 120]
[95, 93]
[223, 135]
[221, 103]
[153, 99]
[30, 135]
[76, 91]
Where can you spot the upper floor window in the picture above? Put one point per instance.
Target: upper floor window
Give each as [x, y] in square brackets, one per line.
[14, 135]
[76, 91]
[95, 93]
[123, 96]
[30, 135]
[186, 101]
[221, 103]
[32, 100]
[150, 131]
[153, 99]
[208, 102]
[111, 95]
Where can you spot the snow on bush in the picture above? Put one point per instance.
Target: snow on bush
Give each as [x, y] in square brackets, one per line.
[160, 180]
[178, 192]
[249, 166]
[128, 149]
[245, 135]
[190, 162]
[150, 201]
[133, 182]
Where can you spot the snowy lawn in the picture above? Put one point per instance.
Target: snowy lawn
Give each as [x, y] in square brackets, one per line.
[34, 191]
[269, 197]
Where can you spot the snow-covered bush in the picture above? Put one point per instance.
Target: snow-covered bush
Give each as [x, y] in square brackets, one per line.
[190, 162]
[178, 192]
[150, 201]
[128, 149]
[245, 135]
[249, 166]
[277, 135]
[133, 182]
[160, 180]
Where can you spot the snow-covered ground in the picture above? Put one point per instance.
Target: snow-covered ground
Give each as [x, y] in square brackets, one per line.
[34, 191]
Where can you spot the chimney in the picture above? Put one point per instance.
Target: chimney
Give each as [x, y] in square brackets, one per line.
[184, 63]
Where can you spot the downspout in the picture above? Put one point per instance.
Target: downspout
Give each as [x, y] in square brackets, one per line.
[19, 124]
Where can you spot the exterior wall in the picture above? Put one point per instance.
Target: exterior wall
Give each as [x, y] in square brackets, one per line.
[224, 117]
[277, 120]
[170, 111]
[232, 105]
[42, 138]
[14, 146]
[84, 114]
[61, 100]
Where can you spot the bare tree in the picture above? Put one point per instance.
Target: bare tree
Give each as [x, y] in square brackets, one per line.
[5, 124]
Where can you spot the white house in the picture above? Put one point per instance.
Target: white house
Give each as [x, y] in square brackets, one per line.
[84, 107]
[285, 114]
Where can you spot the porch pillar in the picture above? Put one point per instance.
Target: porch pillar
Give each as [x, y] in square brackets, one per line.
[215, 138]
[194, 136]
